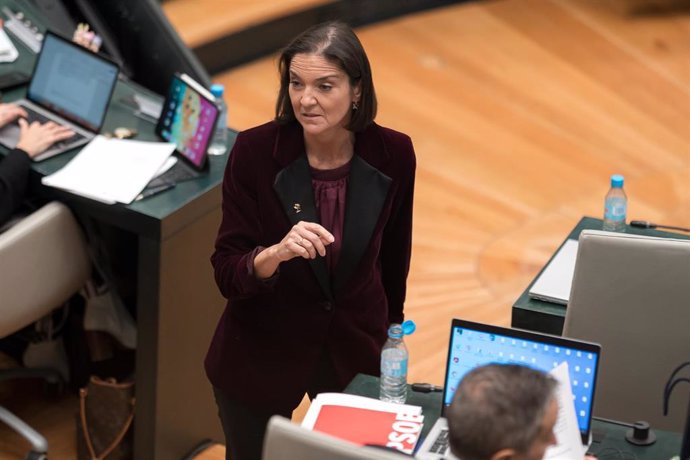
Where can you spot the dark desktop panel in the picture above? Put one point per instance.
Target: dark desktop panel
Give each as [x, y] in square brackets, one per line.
[136, 34]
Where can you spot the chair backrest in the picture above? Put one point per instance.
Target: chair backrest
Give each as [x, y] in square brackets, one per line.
[287, 441]
[43, 262]
[631, 294]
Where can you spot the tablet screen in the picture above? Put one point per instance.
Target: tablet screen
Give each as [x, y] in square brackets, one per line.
[188, 120]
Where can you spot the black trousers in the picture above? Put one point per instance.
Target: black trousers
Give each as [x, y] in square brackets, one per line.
[244, 426]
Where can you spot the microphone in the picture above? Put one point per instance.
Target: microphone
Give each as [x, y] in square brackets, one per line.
[640, 433]
[670, 384]
[648, 224]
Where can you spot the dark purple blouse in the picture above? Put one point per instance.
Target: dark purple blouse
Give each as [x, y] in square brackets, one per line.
[330, 190]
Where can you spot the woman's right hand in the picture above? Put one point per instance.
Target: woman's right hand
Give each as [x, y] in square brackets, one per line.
[305, 239]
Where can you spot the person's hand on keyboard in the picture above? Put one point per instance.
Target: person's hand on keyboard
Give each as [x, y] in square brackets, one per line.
[34, 138]
[10, 112]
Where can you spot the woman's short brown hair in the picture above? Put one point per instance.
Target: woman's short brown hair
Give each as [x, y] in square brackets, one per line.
[339, 45]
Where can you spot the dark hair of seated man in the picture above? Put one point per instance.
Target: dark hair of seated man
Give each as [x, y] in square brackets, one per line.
[502, 412]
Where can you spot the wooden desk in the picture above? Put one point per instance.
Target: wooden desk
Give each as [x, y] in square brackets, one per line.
[540, 316]
[610, 437]
[177, 301]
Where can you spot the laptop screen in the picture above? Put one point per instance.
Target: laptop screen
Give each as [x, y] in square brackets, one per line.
[73, 82]
[474, 344]
[188, 119]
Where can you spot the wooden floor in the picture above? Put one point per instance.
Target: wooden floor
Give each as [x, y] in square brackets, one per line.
[201, 21]
[519, 111]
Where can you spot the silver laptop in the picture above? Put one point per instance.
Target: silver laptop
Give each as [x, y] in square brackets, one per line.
[475, 344]
[631, 294]
[70, 86]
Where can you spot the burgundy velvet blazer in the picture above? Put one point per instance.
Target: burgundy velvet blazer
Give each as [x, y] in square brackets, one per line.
[272, 333]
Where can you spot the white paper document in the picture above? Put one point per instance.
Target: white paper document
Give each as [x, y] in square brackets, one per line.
[8, 52]
[364, 420]
[553, 284]
[569, 442]
[169, 163]
[112, 170]
[149, 106]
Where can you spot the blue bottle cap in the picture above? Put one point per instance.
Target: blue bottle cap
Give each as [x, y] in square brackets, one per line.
[617, 181]
[217, 90]
[408, 327]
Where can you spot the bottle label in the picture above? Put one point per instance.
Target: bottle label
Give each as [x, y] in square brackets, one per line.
[397, 368]
[615, 210]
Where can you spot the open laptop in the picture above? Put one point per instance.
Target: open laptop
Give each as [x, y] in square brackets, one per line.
[188, 120]
[475, 344]
[70, 86]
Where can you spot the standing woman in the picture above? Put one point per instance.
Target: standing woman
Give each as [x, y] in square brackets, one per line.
[314, 247]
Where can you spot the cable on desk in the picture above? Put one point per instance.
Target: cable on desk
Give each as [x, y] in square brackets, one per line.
[426, 388]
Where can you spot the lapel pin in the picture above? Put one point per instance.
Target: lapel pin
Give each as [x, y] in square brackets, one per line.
[297, 207]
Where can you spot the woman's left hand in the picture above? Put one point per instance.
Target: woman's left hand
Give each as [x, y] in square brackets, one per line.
[10, 112]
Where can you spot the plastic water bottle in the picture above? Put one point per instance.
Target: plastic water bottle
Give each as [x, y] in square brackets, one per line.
[219, 143]
[394, 363]
[615, 206]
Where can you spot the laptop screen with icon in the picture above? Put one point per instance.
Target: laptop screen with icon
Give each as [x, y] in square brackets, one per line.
[475, 344]
[72, 82]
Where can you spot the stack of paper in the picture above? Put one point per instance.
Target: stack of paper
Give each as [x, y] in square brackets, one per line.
[8, 52]
[112, 170]
[554, 283]
[365, 421]
[569, 442]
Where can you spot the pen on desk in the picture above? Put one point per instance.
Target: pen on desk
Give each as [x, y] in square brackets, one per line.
[647, 224]
[154, 191]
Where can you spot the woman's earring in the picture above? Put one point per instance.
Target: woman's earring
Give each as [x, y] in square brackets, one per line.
[354, 105]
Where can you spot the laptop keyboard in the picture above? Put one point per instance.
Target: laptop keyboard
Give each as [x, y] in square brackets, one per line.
[35, 116]
[178, 173]
[440, 446]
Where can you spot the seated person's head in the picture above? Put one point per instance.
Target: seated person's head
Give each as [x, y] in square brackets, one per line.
[503, 412]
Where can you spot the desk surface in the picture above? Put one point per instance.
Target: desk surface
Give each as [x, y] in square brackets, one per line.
[156, 217]
[160, 215]
[611, 437]
[537, 315]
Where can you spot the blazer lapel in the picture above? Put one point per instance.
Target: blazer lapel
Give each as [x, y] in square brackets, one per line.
[293, 186]
[366, 195]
